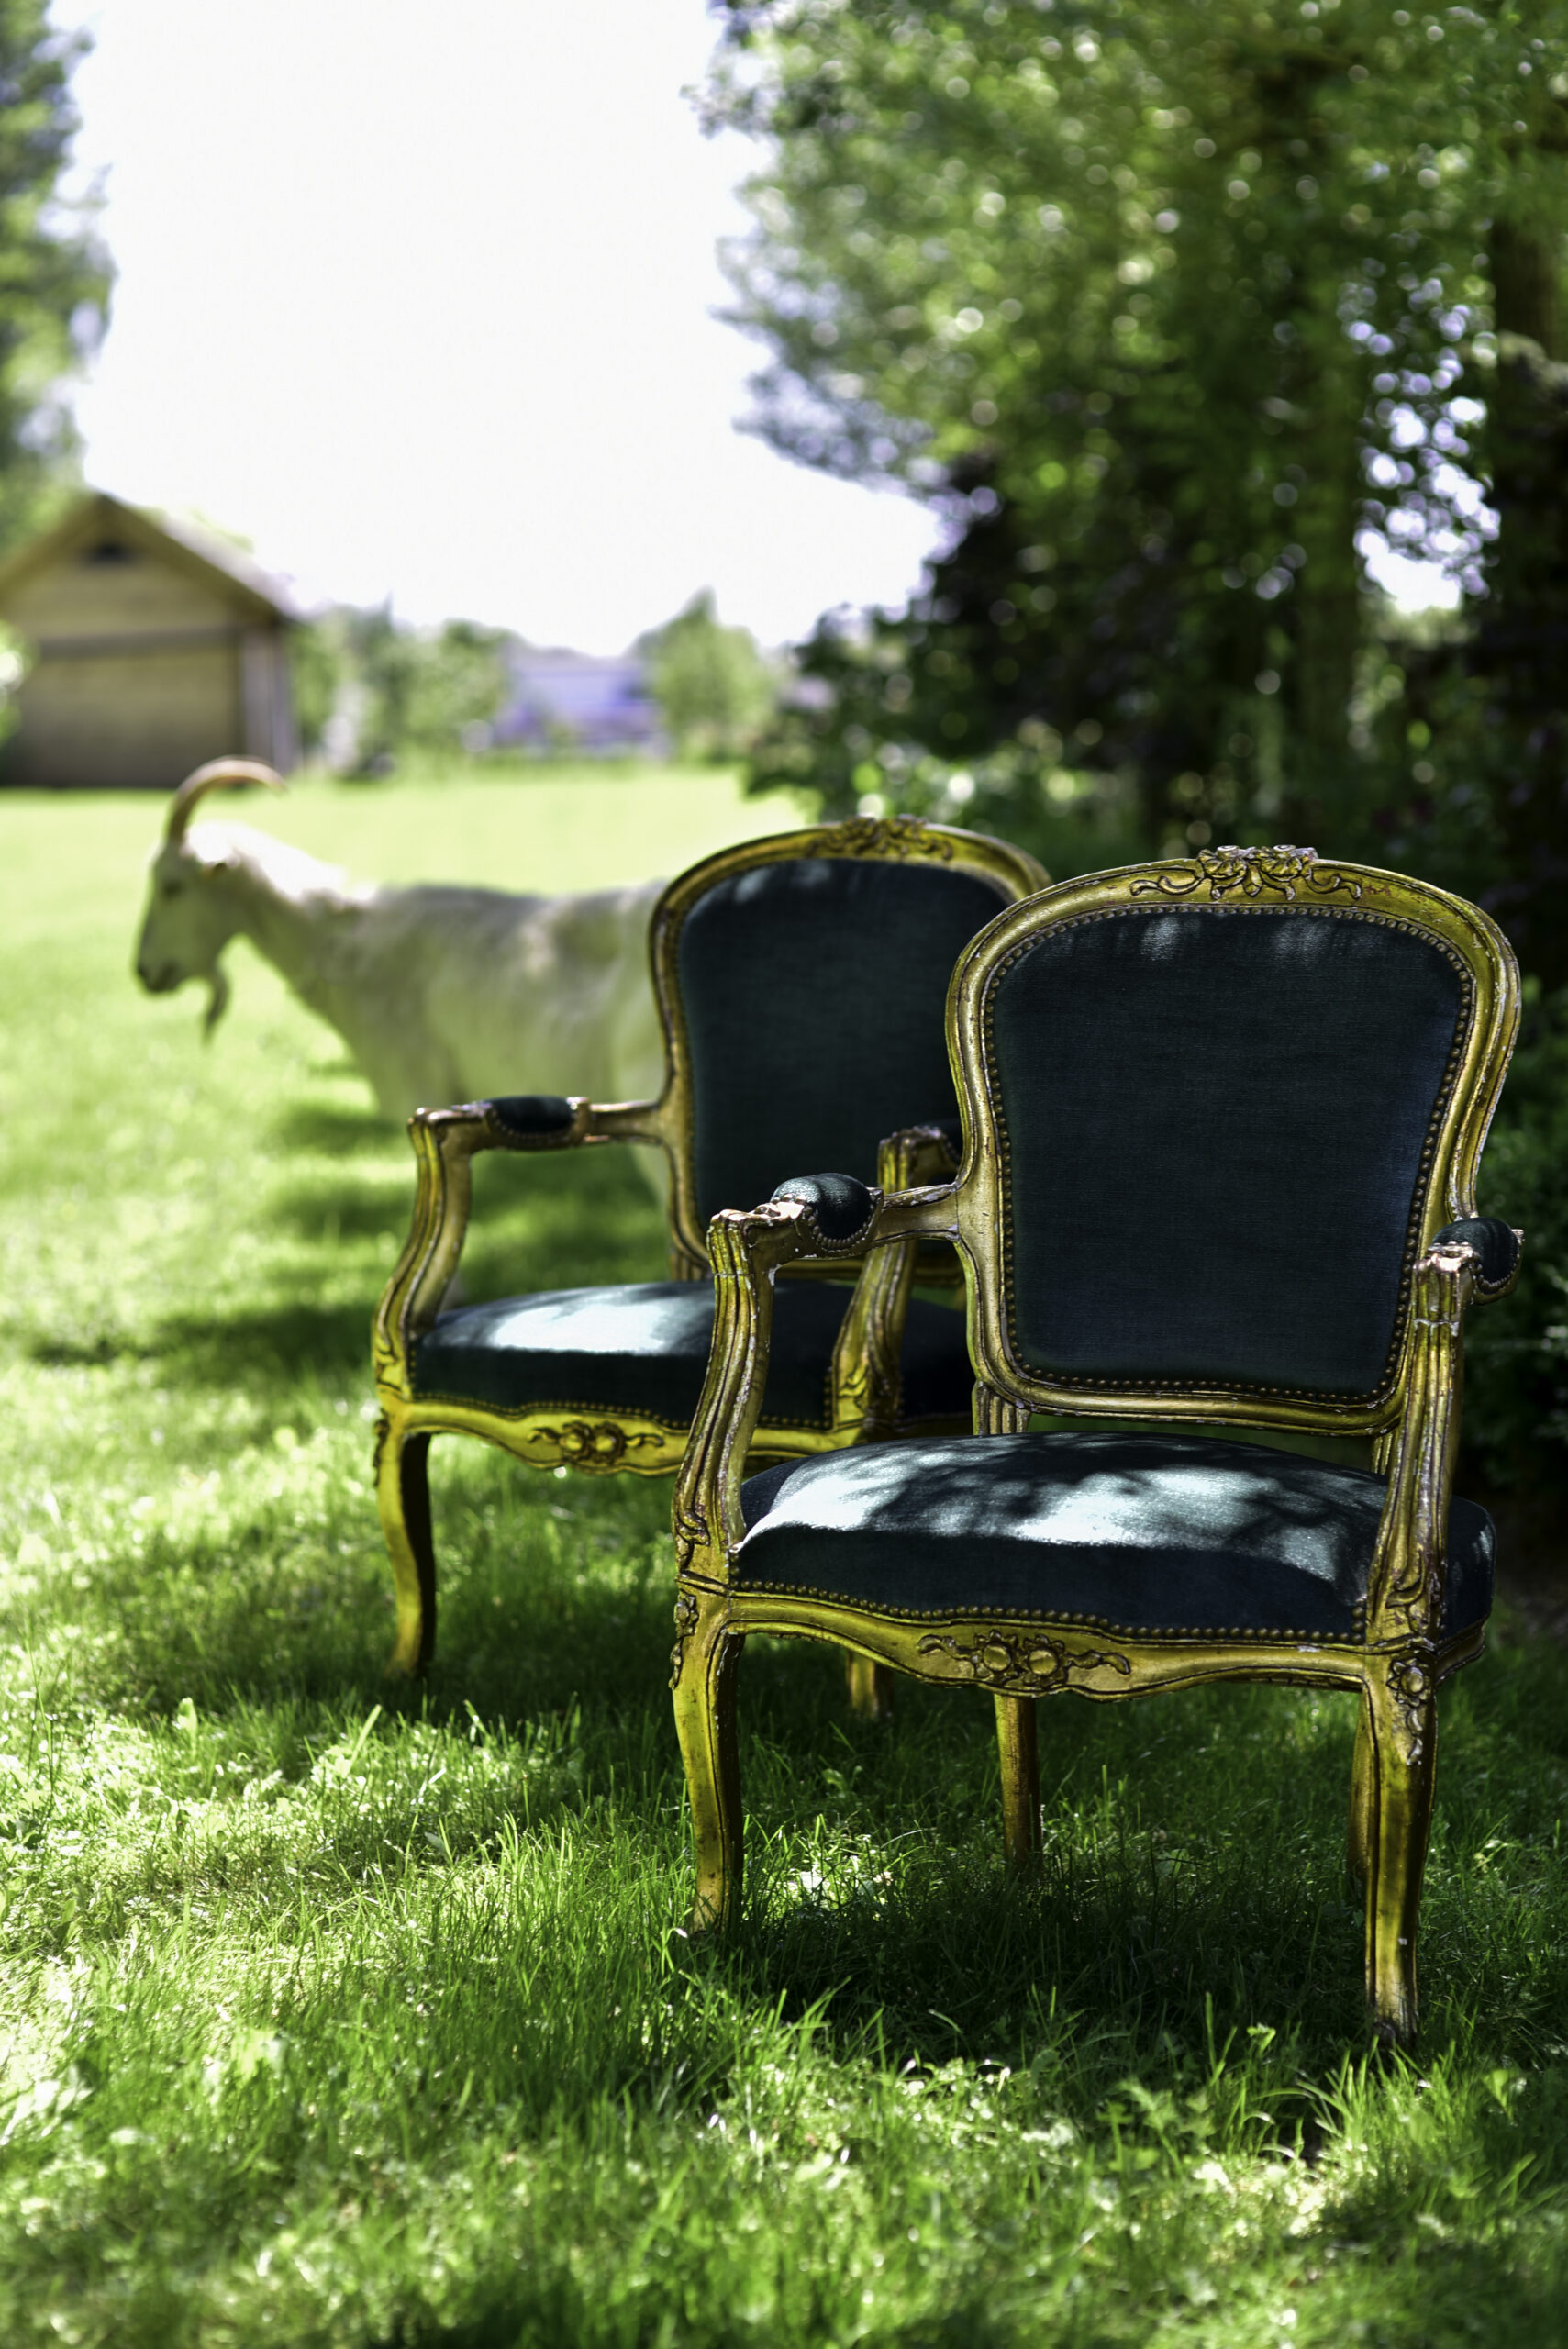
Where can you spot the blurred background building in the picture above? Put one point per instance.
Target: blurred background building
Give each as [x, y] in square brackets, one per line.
[592, 702]
[148, 652]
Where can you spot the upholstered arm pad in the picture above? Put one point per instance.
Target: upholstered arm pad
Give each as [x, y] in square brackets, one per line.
[841, 1208]
[532, 1121]
[1498, 1244]
[532, 1117]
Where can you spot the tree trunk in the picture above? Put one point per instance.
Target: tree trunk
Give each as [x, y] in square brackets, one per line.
[1521, 647]
[1320, 779]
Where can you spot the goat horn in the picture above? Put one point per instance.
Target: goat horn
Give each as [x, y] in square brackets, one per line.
[217, 775]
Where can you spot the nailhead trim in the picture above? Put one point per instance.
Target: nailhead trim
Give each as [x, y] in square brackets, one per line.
[1003, 1618]
[1180, 1385]
[593, 1410]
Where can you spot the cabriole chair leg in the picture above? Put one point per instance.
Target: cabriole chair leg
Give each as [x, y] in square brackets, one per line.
[1401, 1715]
[1361, 1826]
[403, 1497]
[1017, 1746]
[870, 1686]
[706, 1664]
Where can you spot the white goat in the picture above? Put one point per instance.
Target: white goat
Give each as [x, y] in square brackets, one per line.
[441, 994]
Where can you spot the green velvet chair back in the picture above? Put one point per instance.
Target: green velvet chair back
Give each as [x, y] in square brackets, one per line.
[803, 981]
[1219, 1128]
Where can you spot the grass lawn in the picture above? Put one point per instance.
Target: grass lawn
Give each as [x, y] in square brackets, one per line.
[337, 2012]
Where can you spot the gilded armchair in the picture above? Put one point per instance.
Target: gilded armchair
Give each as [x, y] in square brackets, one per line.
[800, 981]
[1221, 1121]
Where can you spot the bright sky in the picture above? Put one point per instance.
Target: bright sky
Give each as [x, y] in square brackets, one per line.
[417, 297]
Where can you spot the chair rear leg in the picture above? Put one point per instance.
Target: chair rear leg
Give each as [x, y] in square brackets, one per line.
[403, 1497]
[1018, 1745]
[870, 1687]
[703, 1671]
[1401, 1721]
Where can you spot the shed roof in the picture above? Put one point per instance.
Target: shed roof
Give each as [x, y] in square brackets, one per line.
[209, 560]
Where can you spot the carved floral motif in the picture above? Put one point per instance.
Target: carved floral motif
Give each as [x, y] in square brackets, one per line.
[1248, 873]
[1410, 1685]
[1025, 1664]
[687, 1612]
[691, 1530]
[595, 1444]
[881, 836]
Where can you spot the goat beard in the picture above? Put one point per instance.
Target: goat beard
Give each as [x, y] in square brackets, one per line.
[217, 999]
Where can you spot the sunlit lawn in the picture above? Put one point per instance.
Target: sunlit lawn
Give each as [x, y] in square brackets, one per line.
[334, 2012]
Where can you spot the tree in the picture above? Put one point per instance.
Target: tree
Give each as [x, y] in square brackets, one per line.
[1163, 307]
[713, 687]
[54, 276]
[368, 689]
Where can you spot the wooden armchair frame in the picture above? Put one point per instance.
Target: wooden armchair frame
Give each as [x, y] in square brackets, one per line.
[865, 1400]
[1412, 1419]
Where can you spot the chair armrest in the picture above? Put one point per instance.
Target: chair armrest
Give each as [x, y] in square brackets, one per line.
[1498, 1247]
[444, 1142]
[918, 1155]
[867, 1378]
[812, 1217]
[1404, 1602]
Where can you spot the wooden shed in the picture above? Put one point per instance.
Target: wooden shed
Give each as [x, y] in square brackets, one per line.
[150, 651]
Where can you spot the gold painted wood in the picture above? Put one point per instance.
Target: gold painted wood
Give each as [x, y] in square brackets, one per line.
[864, 1401]
[870, 1687]
[1397, 1664]
[1017, 1750]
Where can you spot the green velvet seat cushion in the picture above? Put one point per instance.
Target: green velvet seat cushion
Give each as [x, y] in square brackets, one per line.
[1144, 1533]
[644, 1349]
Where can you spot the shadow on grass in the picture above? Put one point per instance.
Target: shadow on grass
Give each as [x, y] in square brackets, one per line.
[549, 2312]
[327, 1209]
[1193, 1877]
[255, 1352]
[264, 1347]
[336, 1132]
[1193, 1873]
[547, 1222]
[1191, 1897]
[1522, 2301]
[91, 1353]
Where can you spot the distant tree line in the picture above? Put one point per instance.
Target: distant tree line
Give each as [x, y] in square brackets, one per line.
[713, 688]
[371, 689]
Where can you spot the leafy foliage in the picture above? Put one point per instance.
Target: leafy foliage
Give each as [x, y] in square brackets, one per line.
[54, 276]
[714, 689]
[1164, 307]
[368, 689]
[1517, 1375]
